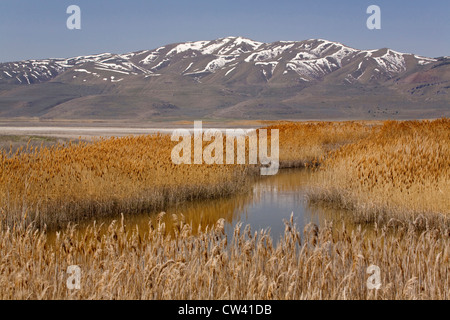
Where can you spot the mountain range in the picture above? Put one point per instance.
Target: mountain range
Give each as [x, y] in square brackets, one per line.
[227, 79]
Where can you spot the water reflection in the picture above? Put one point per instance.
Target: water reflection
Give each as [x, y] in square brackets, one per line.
[268, 201]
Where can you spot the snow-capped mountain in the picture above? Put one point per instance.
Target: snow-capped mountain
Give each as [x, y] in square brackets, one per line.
[228, 74]
[310, 60]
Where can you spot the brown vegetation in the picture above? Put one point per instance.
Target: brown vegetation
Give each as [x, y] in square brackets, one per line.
[58, 184]
[315, 265]
[395, 176]
[303, 144]
[401, 171]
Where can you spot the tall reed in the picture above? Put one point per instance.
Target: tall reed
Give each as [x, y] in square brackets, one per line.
[61, 183]
[401, 171]
[315, 264]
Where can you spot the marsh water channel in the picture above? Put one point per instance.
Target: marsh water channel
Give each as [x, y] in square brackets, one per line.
[265, 205]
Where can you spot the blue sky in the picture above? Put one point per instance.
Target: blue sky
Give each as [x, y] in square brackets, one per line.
[31, 29]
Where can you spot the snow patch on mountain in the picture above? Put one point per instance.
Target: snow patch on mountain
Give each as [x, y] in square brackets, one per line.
[268, 54]
[309, 59]
[229, 71]
[195, 46]
[273, 64]
[391, 62]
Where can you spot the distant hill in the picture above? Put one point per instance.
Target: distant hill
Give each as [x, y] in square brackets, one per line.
[230, 78]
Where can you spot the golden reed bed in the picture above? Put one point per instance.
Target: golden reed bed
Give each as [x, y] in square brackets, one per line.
[317, 264]
[394, 175]
[54, 185]
[304, 144]
[400, 171]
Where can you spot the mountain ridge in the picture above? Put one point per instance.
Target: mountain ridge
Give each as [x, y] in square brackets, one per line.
[229, 78]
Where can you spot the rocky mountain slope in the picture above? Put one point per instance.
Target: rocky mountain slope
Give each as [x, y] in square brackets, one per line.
[230, 78]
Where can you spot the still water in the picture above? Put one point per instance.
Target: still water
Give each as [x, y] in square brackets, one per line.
[267, 202]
